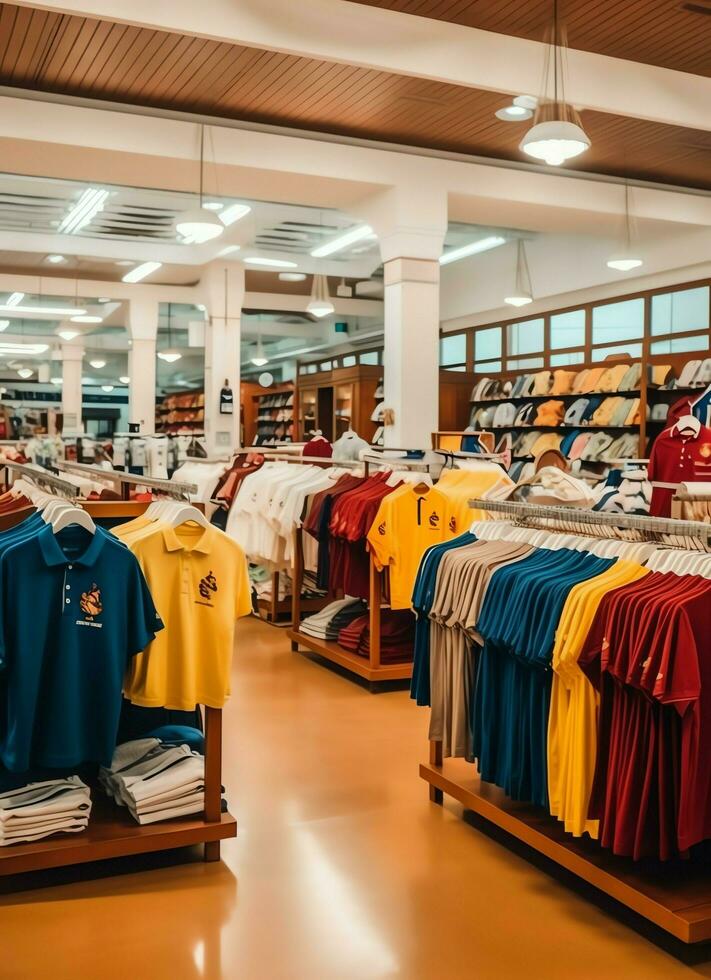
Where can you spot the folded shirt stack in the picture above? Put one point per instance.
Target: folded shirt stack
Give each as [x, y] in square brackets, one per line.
[397, 635]
[329, 621]
[625, 491]
[155, 781]
[618, 377]
[55, 806]
[550, 413]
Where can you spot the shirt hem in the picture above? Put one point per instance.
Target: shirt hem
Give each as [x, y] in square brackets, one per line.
[174, 704]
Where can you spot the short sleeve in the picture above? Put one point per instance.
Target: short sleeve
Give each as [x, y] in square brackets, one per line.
[381, 537]
[678, 680]
[143, 621]
[243, 591]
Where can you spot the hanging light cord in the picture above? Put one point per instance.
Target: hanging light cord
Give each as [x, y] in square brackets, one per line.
[202, 156]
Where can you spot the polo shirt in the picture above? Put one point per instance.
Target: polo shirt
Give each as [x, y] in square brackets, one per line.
[199, 581]
[676, 458]
[65, 654]
[562, 381]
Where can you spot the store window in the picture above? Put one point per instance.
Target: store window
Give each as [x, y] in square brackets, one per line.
[619, 350]
[570, 357]
[525, 337]
[524, 362]
[370, 357]
[452, 350]
[487, 367]
[325, 365]
[617, 321]
[677, 345]
[567, 330]
[349, 360]
[682, 310]
[487, 344]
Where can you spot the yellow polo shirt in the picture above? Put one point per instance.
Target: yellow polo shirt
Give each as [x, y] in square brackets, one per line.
[199, 582]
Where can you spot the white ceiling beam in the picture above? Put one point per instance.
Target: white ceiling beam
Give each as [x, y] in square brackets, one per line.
[423, 47]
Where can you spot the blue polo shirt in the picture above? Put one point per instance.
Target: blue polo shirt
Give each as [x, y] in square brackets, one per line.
[74, 607]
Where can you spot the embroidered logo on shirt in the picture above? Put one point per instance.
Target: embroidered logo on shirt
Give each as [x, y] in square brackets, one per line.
[381, 528]
[452, 524]
[705, 450]
[434, 519]
[90, 605]
[208, 585]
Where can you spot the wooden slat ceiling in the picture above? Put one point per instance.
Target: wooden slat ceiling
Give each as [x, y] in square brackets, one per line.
[95, 59]
[655, 32]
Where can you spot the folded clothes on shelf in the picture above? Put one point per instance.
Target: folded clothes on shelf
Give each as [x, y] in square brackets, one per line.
[329, 621]
[41, 809]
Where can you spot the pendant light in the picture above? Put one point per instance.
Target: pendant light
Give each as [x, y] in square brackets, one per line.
[170, 354]
[260, 358]
[320, 304]
[557, 134]
[200, 224]
[523, 293]
[626, 259]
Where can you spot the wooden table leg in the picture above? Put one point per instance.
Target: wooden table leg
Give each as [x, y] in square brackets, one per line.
[436, 795]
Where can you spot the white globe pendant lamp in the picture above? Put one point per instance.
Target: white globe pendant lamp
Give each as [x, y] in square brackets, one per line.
[557, 134]
[260, 358]
[627, 258]
[523, 293]
[320, 304]
[200, 224]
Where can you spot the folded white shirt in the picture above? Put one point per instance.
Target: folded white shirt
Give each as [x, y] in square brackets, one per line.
[178, 775]
[178, 811]
[193, 796]
[41, 820]
[27, 834]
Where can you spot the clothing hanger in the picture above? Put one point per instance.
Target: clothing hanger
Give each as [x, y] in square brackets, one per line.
[187, 514]
[74, 516]
[687, 424]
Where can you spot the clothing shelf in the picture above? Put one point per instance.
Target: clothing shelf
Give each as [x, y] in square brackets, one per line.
[543, 398]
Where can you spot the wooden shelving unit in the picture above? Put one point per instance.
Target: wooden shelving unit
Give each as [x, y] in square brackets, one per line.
[371, 669]
[675, 896]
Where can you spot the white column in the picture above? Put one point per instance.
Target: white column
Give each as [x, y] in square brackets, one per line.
[411, 223]
[143, 330]
[72, 368]
[223, 290]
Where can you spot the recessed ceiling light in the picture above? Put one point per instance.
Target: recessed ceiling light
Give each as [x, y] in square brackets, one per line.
[124, 379]
[25, 372]
[270, 263]
[526, 101]
[56, 259]
[141, 271]
[227, 250]
[292, 276]
[84, 211]
[482, 245]
[342, 241]
[233, 213]
[213, 205]
[107, 387]
[624, 263]
[98, 364]
[66, 333]
[513, 113]
[86, 318]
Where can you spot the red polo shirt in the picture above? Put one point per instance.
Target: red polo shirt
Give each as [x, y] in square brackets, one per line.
[676, 458]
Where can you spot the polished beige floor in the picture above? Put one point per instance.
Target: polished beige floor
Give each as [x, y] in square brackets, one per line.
[342, 869]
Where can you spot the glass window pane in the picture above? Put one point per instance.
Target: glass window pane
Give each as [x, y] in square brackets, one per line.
[325, 365]
[455, 367]
[524, 362]
[453, 349]
[618, 321]
[371, 357]
[568, 329]
[677, 345]
[526, 337]
[311, 368]
[571, 357]
[487, 343]
[685, 309]
[622, 350]
[487, 367]
[349, 360]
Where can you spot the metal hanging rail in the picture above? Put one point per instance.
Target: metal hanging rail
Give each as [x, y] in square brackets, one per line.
[42, 478]
[169, 487]
[576, 516]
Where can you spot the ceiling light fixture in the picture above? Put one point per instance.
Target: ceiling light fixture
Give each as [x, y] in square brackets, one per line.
[22, 311]
[171, 355]
[103, 299]
[124, 379]
[66, 333]
[233, 213]
[523, 293]
[269, 263]
[213, 205]
[342, 241]
[292, 276]
[86, 318]
[17, 350]
[625, 260]
[25, 372]
[260, 358]
[473, 248]
[557, 134]
[227, 250]
[320, 304]
[107, 387]
[56, 259]
[141, 271]
[14, 299]
[513, 113]
[200, 224]
[56, 381]
[4, 324]
[84, 211]
[98, 364]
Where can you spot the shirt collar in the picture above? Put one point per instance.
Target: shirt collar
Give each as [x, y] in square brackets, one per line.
[53, 554]
[172, 542]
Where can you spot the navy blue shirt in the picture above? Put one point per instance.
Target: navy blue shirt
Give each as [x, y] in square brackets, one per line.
[74, 607]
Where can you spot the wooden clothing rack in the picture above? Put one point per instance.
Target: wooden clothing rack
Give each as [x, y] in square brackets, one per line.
[170, 488]
[112, 832]
[674, 896]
